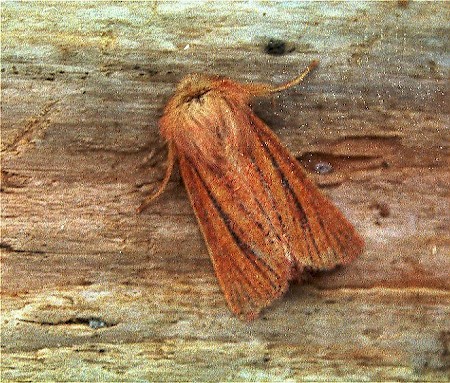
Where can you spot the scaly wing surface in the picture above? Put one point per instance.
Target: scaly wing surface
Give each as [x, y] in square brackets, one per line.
[263, 220]
[318, 234]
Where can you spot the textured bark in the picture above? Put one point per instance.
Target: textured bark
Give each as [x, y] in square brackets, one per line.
[92, 291]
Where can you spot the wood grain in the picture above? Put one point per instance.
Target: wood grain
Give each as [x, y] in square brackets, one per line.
[92, 291]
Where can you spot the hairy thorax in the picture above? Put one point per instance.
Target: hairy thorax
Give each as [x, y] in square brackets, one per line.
[204, 118]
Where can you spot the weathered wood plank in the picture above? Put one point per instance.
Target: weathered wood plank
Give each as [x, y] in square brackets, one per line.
[309, 334]
[92, 291]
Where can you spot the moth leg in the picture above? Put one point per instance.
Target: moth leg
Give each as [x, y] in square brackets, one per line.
[162, 186]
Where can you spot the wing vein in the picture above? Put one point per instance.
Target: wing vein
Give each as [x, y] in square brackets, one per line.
[245, 248]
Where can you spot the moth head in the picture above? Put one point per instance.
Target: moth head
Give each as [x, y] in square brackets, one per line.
[193, 87]
[200, 96]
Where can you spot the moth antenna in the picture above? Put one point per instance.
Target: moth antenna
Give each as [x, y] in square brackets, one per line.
[296, 80]
[264, 89]
[165, 181]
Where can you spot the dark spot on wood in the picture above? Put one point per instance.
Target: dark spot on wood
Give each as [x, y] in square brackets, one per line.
[276, 47]
[6, 246]
[323, 167]
[383, 209]
[95, 323]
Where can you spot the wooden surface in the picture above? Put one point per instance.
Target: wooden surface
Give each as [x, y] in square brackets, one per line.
[92, 291]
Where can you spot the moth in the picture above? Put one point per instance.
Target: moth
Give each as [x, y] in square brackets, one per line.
[263, 220]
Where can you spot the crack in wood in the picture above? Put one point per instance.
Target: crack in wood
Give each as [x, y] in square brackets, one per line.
[10, 179]
[8, 247]
[35, 124]
[92, 322]
[371, 137]
[102, 149]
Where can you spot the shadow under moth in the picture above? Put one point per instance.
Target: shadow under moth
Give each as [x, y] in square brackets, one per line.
[263, 220]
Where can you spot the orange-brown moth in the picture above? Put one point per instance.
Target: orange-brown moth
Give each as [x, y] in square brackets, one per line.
[263, 220]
